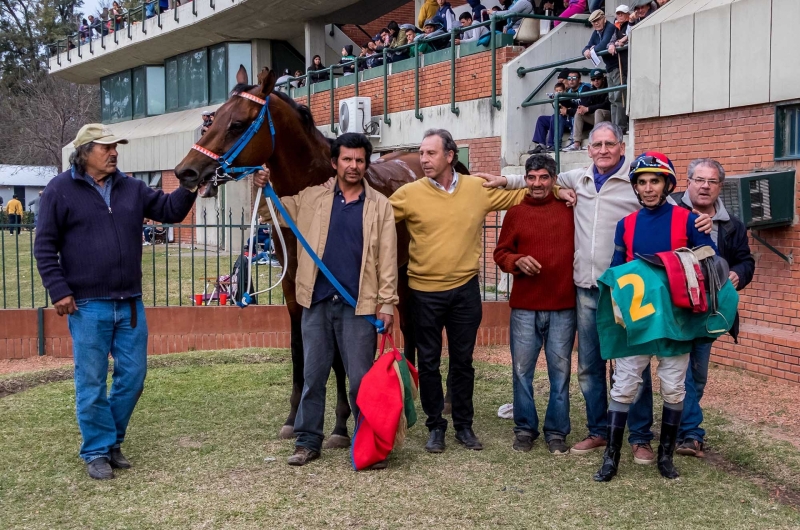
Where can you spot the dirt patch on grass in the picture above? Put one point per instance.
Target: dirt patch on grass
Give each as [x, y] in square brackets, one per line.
[29, 380]
[32, 364]
[779, 492]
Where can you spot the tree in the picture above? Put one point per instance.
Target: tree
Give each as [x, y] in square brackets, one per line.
[42, 115]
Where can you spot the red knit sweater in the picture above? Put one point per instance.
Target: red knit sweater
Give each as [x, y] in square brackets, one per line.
[545, 230]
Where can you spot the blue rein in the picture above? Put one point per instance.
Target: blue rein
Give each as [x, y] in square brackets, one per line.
[227, 172]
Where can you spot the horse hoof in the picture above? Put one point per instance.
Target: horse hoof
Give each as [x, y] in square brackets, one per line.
[447, 410]
[287, 432]
[337, 441]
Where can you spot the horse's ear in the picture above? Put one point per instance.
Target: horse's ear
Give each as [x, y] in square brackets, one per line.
[262, 75]
[241, 76]
[267, 78]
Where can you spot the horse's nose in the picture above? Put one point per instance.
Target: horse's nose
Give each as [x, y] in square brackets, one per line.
[187, 174]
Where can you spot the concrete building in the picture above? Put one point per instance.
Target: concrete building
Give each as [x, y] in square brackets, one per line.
[24, 181]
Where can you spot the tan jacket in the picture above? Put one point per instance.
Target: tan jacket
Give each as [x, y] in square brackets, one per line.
[14, 207]
[311, 211]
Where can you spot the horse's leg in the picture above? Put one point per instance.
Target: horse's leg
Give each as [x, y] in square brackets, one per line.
[339, 438]
[295, 312]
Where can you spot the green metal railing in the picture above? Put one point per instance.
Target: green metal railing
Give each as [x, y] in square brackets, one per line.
[452, 36]
[175, 272]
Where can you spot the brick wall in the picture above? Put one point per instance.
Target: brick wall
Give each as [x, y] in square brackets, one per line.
[180, 329]
[473, 81]
[742, 139]
[169, 183]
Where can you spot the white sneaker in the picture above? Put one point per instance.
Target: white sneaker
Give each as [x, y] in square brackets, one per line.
[506, 411]
[145, 244]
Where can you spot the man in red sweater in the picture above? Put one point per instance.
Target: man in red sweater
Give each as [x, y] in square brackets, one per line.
[537, 246]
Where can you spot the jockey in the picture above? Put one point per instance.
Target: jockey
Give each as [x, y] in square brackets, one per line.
[658, 227]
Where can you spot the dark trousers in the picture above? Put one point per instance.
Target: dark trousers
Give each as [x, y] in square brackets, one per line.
[459, 312]
[546, 129]
[14, 219]
[327, 324]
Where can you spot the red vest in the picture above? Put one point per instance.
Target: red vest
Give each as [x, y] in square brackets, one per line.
[678, 237]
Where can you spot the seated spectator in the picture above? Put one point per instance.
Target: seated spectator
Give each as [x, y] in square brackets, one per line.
[428, 10]
[348, 59]
[576, 7]
[642, 9]
[602, 36]
[163, 5]
[397, 38]
[410, 31]
[569, 106]
[432, 29]
[282, 83]
[470, 35]
[317, 71]
[446, 13]
[150, 9]
[521, 7]
[590, 110]
[297, 83]
[373, 60]
[543, 135]
[84, 31]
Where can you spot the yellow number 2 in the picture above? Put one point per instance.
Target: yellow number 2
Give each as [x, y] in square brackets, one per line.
[637, 310]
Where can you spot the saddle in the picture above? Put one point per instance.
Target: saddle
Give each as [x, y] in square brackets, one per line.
[695, 276]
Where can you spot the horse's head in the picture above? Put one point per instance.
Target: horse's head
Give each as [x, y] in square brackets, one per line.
[232, 119]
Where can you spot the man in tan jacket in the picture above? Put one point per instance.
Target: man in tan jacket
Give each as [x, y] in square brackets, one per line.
[352, 229]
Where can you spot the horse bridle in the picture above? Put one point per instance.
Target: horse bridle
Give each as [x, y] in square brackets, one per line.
[226, 171]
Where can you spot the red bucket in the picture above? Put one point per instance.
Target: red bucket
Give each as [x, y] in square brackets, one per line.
[223, 298]
[198, 299]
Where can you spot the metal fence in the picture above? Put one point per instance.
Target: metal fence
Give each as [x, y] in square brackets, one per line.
[187, 260]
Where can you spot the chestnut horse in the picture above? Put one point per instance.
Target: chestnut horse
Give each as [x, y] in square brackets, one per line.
[301, 157]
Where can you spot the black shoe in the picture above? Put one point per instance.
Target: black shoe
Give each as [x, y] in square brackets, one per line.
[435, 441]
[616, 430]
[468, 439]
[536, 150]
[100, 469]
[670, 421]
[117, 459]
[383, 464]
[557, 446]
[302, 456]
[523, 441]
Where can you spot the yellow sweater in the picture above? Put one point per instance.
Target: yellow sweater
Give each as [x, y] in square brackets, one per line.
[426, 11]
[446, 228]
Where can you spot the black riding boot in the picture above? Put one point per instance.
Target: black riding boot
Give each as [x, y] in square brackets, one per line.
[616, 430]
[670, 421]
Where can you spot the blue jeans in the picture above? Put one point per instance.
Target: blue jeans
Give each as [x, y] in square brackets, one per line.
[530, 330]
[98, 328]
[545, 130]
[592, 377]
[696, 378]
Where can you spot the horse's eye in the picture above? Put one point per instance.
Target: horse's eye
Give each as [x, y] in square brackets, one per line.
[237, 126]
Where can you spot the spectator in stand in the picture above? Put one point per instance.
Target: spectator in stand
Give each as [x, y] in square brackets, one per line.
[537, 246]
[545, 128]
[621, 39]
[477, 10]
[642, 9]
[602, 36]
[282, 82]
[297, 83]
[702, 195]
[428, 10]
[569, 107]
[447, 15]
[94, 27]
[118, 13]
[14, 211]
[576, 7]
[317, 71]
[348, 59]
[518, 7]
[432, 29]
[208, 119]
[470, 35]
[411, 32]
[372, 58]
[163, 5]
[84, 31]
[591, 109]
[397, 38]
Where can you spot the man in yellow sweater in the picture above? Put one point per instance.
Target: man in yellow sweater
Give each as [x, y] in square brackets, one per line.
[14, 211]
[444, 213]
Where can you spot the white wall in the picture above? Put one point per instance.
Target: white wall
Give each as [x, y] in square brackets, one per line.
[714, 54]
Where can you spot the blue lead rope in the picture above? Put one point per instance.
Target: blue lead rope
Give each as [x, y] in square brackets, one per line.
[270, 193]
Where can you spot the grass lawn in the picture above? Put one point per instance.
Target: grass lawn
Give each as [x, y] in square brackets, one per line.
[203, 442]
[171, 267]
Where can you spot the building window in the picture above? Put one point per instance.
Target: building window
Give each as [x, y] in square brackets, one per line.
[787, 132]
[193, 79]
[152, 178]
[155, 90]
[217, 73]
[171, 67]
[139, 89]
[116, 98]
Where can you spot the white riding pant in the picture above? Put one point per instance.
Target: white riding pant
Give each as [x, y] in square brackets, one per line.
[628, 377]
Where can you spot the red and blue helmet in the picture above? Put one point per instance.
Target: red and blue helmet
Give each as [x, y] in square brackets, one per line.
[654, 162]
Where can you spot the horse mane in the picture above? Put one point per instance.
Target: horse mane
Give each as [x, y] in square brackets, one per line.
[303, 112]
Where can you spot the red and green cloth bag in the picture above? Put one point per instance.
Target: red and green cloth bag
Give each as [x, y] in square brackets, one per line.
[386, 403]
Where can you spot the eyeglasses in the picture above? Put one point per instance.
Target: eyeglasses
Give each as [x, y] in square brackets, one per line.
[607, 145]
[702, 182]
[573, 77]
